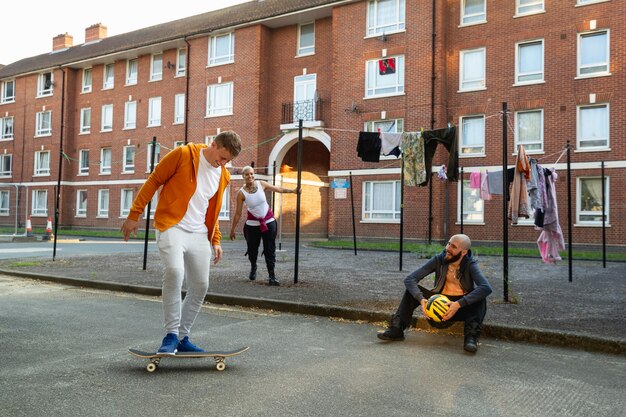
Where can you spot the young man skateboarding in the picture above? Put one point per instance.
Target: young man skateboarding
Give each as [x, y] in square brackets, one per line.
[193, 179]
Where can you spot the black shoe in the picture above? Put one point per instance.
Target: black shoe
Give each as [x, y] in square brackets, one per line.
[394, 334]
[252, 275]
[470, 344]
[274, 282]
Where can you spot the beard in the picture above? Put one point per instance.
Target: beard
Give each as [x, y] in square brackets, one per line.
[453, 258]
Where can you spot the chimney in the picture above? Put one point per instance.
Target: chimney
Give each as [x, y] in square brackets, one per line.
[95, 33]
[62, 41]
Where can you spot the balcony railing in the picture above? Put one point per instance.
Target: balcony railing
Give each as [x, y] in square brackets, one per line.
[307, 110]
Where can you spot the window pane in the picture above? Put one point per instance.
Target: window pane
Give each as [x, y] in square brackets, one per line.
[473, 11]
[530, 62]
[472, 204]
[529, 130]
[594, 126]
[307, 39]
[473, 135]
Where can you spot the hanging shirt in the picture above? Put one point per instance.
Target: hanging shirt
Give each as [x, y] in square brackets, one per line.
[494, 180]
[413, 156]
[368, 146]
[484, 186]
[475, 180]
[390, 141]
[518, 206]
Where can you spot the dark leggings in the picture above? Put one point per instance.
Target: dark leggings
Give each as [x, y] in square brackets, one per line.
[254, 236]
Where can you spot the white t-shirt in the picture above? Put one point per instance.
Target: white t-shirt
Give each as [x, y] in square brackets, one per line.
[207, 184]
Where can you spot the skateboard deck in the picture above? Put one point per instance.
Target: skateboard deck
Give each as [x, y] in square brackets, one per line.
[155, 357]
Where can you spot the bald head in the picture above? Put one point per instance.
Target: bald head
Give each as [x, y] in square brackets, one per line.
[463, 241]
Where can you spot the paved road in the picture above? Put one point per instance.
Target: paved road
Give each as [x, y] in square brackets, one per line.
[64, 354]
[71, 247]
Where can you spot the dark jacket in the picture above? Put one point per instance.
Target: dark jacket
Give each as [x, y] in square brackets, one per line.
[473, 282]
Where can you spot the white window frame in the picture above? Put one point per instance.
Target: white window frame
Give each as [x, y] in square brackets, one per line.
[471, 149]
[479, 215]
[154, 111]
[305, 50]
[85, 120]
[477, 84]
[588, 2]
[6, 168]
[579, 128]
[7, 125]
[126, 201]
[87, 80]
[373, 86]
[81, 203]
[212, 92]
[42, 164]
[45, 87]
[107, 118]
[157, 155]
[42, 119]
[368, 215]
[395, 25]
[606, 64]
[83, 162]
[39, 207]
[179, 143]
[179, 109]
[130, 115]
[529, 7]
[225, 209]
[228, 58]
[5, 97]
[580, 212]
[128, 167]
[103, 212]
[539, 75]
[132, 76]
[539, 141]
[105, 166]
[5, 202]
[156, 67]
[475, 18]
[181, 62]
[108, 76]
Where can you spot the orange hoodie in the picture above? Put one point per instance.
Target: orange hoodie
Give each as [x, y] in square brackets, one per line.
[177, 173]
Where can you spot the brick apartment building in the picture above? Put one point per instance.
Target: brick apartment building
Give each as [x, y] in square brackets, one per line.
[91, 110]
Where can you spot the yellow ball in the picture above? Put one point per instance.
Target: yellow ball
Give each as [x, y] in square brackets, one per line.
[436, 307]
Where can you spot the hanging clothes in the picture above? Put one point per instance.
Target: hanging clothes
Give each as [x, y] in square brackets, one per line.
[542, 197]
[413, 155]
[534, 198]
[368, 147]
[447, 137]
[475, 180]
[551, 239]
[518, 206]
[390, 142]
[484, 186]
[442, 173]
[494, 180]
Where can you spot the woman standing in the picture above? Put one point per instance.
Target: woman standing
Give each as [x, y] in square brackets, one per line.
[260, 223]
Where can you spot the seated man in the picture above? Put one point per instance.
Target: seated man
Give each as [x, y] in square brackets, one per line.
[459, 278]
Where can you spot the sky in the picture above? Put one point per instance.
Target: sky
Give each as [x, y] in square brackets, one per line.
[26, 30]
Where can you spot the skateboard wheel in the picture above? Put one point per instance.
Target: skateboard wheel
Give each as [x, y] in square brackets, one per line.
[151, 367]
[220, 366]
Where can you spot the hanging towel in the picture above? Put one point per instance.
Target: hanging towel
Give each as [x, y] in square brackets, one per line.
[475, 180]
[413, 155]
[368, 147]
[494, 179]
[484, 186]
[447, 137]
[518, 206]
[390, 141]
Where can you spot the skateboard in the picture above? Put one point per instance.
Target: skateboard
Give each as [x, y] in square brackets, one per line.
[155, 358]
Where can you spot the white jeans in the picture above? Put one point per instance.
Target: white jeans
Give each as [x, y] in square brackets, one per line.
[187, 256]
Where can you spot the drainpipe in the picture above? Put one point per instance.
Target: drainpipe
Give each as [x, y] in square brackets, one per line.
[432, 121]
[187, 71]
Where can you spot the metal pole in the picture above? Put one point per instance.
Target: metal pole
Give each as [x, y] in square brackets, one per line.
[462, 191]
[298, 198]
[58, 187]
[505, 222]
[353, 221]
[401, 211]
[280, 221]
[274, 184]
[430, 207]
[603, 221]
[569, 212]
[145, 239]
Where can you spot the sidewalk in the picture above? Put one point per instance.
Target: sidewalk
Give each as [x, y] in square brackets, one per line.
[588, 313]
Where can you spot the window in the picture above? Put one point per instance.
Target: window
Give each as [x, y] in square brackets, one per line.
[529, 62]
[593, 53]
[181, 62]
[81, 203]
[131, 71]
[179, 143]
[109, 76]
[473, 11]
[157, 155]
[219, 99]
[86, 80]
[222, 49]
[6, 128]
[381, 200]
[130, 115]
[306, 39]
[42, 163]
[83, 162]
[387, 126]
[593, 127]
[6, 162]
[473, 210]
[103, 203]
[156, 67]
[154, 111]
[4, 202]
[105, 161]
[129, 159]
[381, 82]
[225, 209]
[385, 16]
[529, 130]
[40, 203]
[126, 202]
[472, 69]
[179, 108]
[7, 91]
[45, 84]
[584, 2]
[43, 122]
[107, 118]
[85, 120]
[529, 6]
[589, 200]
[472, 135]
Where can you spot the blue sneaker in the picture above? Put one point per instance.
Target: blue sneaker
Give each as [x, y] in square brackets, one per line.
[186, 346]
[169, 345]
